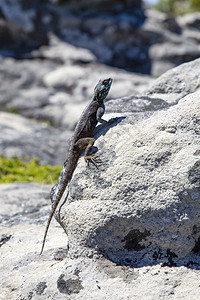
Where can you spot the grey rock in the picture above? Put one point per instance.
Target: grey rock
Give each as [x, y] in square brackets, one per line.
[177, 83]
[20, 206]
[12, 12]
[171, 41]
[175, 52]
[135, 104]
[192, 35]
[26, 78]
[48, 93]
[64, 52]
[190, 21]
[25, 138]
[25, 100]
[64, 77]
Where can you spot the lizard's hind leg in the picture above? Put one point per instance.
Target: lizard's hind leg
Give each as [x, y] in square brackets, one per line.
[93, 158]
[87, 144]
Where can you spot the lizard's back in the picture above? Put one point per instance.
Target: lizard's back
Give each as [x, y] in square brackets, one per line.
[87, 122]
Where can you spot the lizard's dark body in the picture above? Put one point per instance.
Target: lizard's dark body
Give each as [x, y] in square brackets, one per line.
[80, 140]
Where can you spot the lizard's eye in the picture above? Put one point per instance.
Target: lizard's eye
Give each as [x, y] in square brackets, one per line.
[105, 82]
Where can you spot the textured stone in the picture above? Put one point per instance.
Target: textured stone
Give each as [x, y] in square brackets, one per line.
[24, 212]
[176, 83]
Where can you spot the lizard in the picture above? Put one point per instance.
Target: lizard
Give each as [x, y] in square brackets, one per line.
[81, 140]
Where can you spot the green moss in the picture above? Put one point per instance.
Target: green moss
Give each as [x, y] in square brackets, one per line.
[178, 7]
[14, 169]
[195, 4]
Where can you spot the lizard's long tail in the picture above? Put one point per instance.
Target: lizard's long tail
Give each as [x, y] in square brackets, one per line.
[59, 188]
[47, 227]
[55, 204]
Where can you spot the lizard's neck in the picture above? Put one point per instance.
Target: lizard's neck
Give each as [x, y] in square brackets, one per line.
[94, 98]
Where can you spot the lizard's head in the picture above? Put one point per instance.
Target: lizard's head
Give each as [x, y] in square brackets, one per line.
[102, 88]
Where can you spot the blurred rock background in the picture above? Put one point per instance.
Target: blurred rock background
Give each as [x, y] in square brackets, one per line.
[123, 34]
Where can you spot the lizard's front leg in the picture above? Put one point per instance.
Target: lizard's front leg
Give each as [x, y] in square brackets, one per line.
[87, 144]
[99, 114]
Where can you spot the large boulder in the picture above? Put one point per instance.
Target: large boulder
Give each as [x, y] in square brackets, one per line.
[141, 206]
[176, 83]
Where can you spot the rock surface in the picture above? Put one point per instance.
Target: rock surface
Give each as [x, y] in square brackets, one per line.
[177, 83]
[26, 275]
[132, 224]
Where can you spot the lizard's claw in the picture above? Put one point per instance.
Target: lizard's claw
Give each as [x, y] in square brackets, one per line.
[94, 159]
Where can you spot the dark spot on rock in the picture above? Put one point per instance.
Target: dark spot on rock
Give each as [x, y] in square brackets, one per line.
[69, 286]
[29, 296]
[162, 158]
[102, 183]
[127, 261]
[170, 263]
[194, 173]
[133, 238]
[4, 239]
[171, 24]
[197, 153]
[195, 230]
[40, 288]
[171, 255]
[196, 248]
[196, 125]
[113, 270]
[129, 191]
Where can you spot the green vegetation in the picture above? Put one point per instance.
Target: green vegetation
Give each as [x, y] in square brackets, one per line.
[178, 7]
[14, 169]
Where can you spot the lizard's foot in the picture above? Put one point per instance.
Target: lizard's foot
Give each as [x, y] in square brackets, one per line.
[94, 159]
